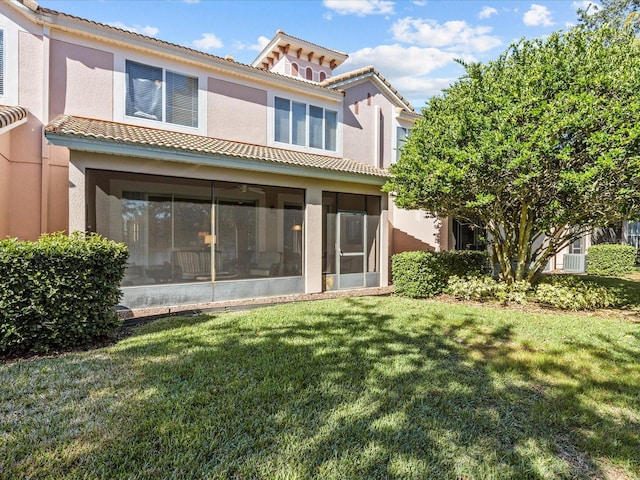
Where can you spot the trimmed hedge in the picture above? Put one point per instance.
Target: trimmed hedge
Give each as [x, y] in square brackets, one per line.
[612, 260]
[58, 292]
[425, 274]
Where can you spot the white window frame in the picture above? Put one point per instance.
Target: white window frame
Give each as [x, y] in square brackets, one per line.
[120, 92]
[163, 94]
[306, 146]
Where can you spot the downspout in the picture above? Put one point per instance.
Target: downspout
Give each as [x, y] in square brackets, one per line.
[44, 173]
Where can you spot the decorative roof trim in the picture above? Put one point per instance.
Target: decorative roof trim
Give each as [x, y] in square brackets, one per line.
[121, 139]
[283, 38]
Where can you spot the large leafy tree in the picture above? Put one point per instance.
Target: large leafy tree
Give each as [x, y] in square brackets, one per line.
[614, 13]
[538, 146]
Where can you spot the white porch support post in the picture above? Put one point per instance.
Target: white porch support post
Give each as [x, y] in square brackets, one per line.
[77, 200]
[385, 251]
[313, 241]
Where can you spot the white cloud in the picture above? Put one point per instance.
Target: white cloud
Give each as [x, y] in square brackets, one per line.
[208, 41]
[420, 3]
[261, 42]
[360, 7]
[487, 12]
[146, 30]
[413, 76]
[537, 15]
[587, 6]
[457, 35]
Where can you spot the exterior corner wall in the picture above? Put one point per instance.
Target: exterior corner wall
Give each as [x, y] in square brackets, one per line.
[412, 230]
[5, 183]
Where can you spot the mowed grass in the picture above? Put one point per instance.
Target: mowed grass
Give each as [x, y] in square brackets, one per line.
[347, 388]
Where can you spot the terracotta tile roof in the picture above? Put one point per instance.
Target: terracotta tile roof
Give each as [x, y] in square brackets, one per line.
[38, 9]
[86, 128]
[9, 115]
[337, 52]
[364, 71]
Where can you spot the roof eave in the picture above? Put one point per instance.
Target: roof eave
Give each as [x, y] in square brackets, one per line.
[213, 160]
[87, 28]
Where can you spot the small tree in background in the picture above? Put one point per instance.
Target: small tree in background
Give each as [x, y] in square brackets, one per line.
[538, 146]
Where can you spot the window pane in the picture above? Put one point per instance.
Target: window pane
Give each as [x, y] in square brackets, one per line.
[330, 128]
[282, 120]
[299, 123]
[315, 126]
[182, 99]
[144, 91]
[401, 134]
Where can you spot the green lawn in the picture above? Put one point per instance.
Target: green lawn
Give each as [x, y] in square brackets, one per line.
[348, 388]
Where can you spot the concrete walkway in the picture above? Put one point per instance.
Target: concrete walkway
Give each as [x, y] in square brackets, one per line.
[230, 305]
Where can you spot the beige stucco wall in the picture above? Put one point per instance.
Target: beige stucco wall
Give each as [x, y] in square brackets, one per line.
[411, 230]
[236, 112]
[81, 81]
[368, 135]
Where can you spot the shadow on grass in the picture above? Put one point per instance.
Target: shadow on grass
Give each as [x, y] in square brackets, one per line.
[358, 393]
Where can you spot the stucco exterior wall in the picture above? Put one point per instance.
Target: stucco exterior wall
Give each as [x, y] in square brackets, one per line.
[368, 134]
[411, 230]
[236, 112]
[81, 81]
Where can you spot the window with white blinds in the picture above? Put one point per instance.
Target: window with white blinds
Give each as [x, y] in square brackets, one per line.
[1, 62]
[157, 94]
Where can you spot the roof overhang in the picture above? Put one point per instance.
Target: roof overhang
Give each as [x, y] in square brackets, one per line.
[135, 41]
[99, 136]
[12, 117]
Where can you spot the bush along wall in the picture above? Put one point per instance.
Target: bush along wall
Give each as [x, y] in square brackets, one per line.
[611, 260]
[58, 292]
[425, 274]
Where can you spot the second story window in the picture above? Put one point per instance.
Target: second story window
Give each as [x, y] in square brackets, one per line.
[305, 125]
[157, 94]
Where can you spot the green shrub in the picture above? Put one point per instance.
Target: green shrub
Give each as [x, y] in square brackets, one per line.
[58, 292]
[425, 274]
[568, 293]
[612, 260]
[486, 288]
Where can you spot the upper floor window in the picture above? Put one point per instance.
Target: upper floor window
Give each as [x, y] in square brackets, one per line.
[158, 94]
[401, 137]
[1, 62]
[305, 125]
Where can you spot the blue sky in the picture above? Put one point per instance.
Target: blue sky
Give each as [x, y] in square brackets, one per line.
[412, 43]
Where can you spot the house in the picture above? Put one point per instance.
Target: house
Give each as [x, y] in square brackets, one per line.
[225, 180]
